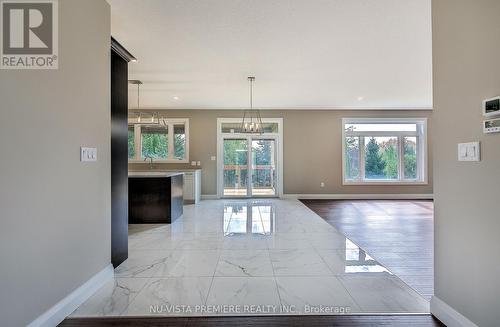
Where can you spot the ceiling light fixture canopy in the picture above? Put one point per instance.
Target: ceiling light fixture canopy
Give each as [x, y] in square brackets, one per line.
[252, 121]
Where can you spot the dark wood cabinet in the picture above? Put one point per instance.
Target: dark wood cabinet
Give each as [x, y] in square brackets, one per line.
[155, 200]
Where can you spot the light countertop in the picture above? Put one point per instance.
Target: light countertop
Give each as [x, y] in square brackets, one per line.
[153, 173]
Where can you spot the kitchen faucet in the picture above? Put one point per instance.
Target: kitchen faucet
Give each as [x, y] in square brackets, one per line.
[150, 161]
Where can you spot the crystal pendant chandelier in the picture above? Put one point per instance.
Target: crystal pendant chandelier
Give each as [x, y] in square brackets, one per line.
[252, 122]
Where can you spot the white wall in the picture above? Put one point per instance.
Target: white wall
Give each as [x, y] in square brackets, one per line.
[55, 212]
[467, 216]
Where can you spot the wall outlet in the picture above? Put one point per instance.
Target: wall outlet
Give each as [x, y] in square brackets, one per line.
[88, 154]
[322, 184]
[198, 163]
[193, 163]
[469, 151]
[213, 158]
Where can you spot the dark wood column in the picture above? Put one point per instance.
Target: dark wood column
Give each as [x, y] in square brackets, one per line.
[119, 153]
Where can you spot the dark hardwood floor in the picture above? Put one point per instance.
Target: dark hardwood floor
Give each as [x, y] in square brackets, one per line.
[270, 321]
[398, 234]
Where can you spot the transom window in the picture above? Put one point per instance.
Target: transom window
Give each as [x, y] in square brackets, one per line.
[165, 142]
[384, 150]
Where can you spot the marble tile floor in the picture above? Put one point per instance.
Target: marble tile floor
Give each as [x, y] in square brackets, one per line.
[248, 257]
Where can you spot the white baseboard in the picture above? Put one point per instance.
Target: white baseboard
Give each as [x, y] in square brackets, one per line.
[449, 316]
[345, 196]
[209, 196]
[66, 306]
[360, 196]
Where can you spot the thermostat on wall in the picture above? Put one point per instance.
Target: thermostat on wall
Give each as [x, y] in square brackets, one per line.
[491, 126]
[491, 107]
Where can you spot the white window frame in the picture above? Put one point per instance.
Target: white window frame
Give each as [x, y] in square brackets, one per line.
[170, 124]
[278, 137]
[422, 151]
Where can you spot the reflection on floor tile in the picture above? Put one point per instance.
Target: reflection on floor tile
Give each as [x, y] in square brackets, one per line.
[350, 261]
[227, 256]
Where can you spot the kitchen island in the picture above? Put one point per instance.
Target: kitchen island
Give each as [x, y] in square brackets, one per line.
[155, 197]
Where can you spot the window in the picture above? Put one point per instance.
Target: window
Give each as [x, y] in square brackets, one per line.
[165, 142]
[179, 141]
[384, 151]
[154, 142]
[131, 142]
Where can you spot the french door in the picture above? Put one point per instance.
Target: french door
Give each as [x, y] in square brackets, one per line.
[249, 167]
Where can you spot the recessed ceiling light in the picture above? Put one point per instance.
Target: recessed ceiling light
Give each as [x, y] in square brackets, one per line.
[133, 60]
[175, 97]
[361, 98]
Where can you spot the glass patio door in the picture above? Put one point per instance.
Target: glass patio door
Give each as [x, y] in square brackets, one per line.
[263, 169]
[249, 167]
[235, 170]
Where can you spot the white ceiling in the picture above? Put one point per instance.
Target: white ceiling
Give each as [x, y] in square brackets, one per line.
[305, 54]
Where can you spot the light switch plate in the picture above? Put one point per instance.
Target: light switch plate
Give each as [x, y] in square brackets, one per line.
[193, 163]
[213, 158]
[469, 151]
[88, 154]
[198, 163]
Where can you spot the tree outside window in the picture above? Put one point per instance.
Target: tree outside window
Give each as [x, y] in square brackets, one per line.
[381, 158]
[131, 142]
[352, 157]
[154, 142]
[410, 157]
